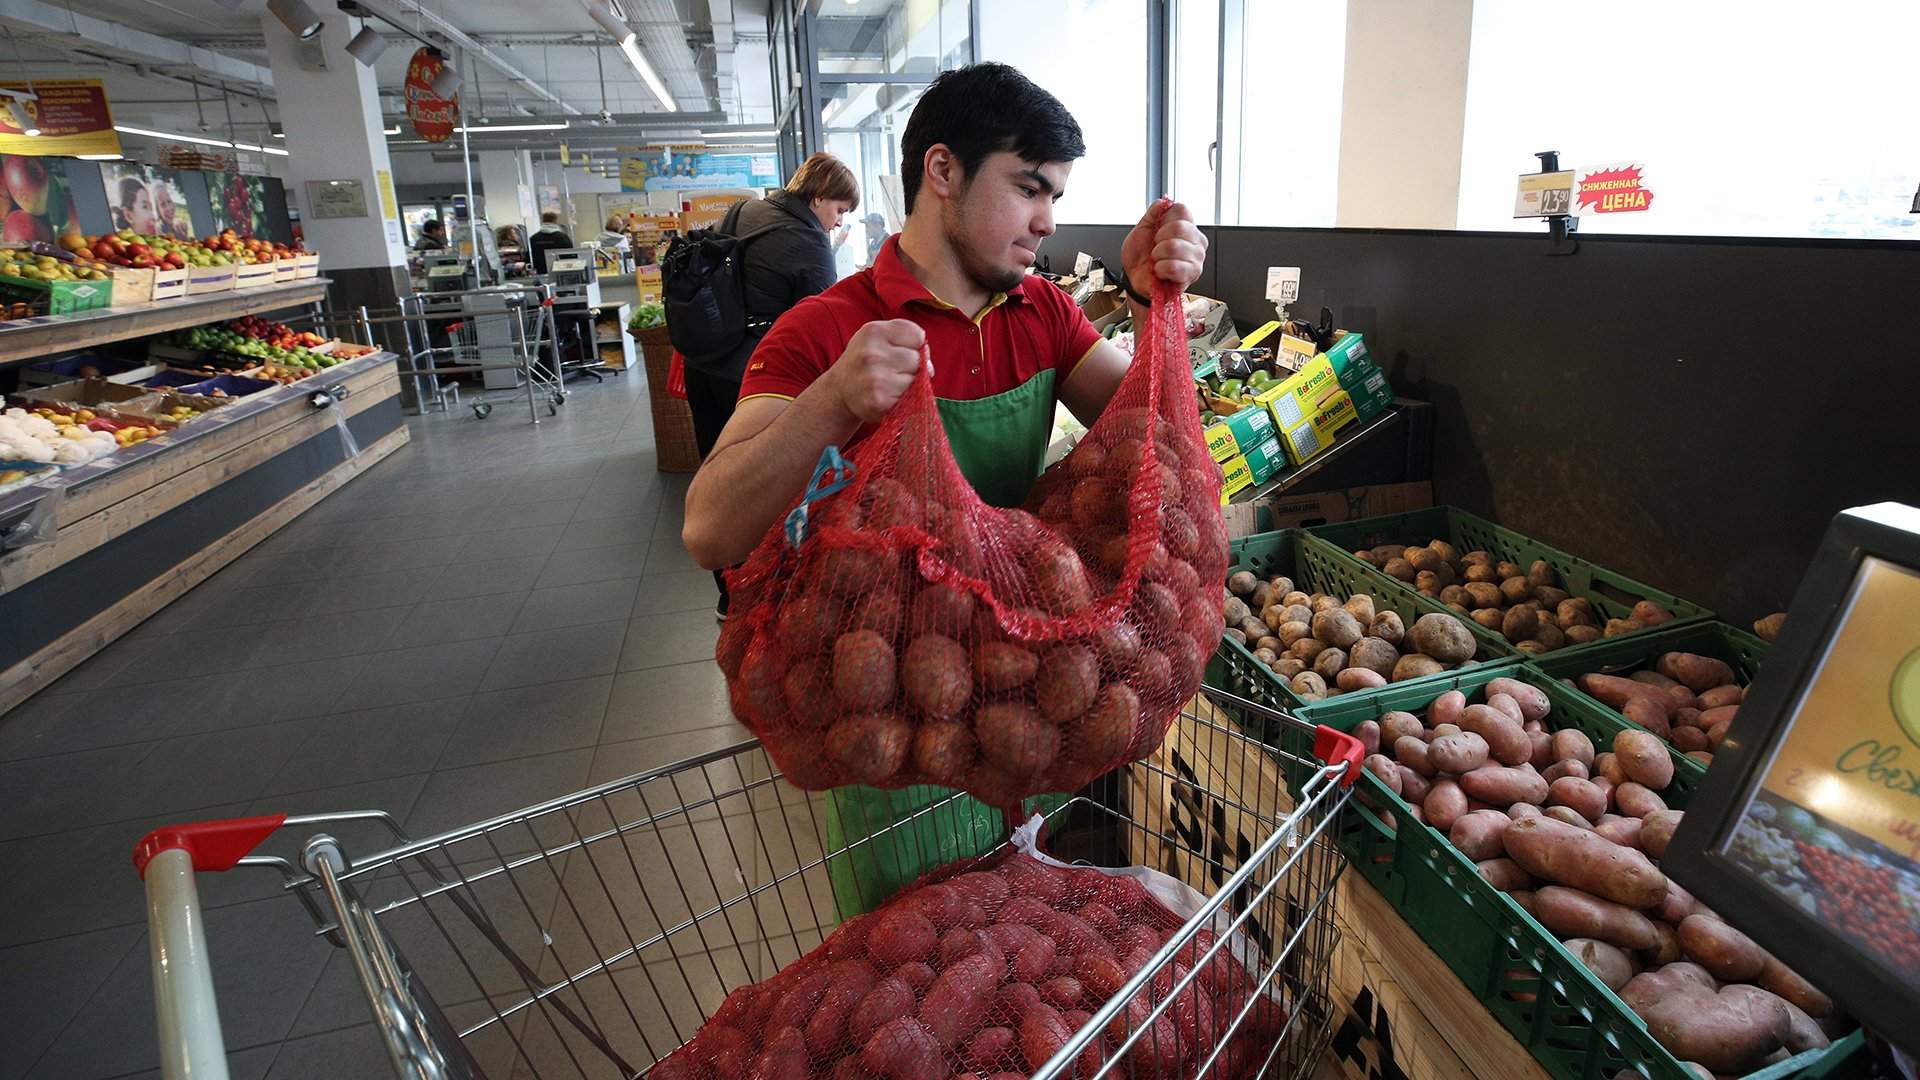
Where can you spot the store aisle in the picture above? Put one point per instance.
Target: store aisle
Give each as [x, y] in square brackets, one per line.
[498, 613]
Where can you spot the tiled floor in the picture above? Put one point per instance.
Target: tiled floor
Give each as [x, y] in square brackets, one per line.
[497, 614]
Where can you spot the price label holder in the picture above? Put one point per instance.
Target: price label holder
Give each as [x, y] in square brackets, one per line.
[1806, 831]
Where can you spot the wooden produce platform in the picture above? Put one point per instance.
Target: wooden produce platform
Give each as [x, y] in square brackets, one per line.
[31, 339]
[137, 530]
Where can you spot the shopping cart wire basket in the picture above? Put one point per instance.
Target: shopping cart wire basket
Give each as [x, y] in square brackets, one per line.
[592, 934]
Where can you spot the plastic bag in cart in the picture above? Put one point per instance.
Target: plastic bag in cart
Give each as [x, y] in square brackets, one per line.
[988, 967]
[896, 630]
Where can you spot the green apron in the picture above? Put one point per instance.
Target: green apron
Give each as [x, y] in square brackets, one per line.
[1000, 443]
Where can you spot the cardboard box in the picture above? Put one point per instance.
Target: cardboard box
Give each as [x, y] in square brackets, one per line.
[61, 297]
[1304, 510]
[1220, 442]
[1209, 327]
[1235, 432]
[1106, 307]
[1311, 438]
[209, 279]
[1347, 350]
[252, 275]
[1235, 474]
[1371, 394]
[1296, 398]
[89, 393]
[1265, 459]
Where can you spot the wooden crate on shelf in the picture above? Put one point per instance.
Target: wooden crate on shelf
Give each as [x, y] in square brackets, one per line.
[209, 279]
[252, 275]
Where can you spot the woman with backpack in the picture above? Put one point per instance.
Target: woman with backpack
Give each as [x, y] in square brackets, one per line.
[788, 258]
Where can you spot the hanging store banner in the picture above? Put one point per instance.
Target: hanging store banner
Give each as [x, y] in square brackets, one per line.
[1614, 189]
[679, 168]
[73, 116]
[433, 116]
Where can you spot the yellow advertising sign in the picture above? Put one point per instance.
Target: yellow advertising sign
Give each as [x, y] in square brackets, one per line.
[389, 204]
[1852, 754]
[71, 114]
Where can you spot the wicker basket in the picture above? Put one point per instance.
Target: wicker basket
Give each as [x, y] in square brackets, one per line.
[672, 420]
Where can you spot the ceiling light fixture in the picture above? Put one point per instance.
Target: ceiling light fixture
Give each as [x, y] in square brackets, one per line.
[629, 42]
[301, 20]
[101, 157]
[767, 133]
[366, 46]
[561, 126]
[198, 140]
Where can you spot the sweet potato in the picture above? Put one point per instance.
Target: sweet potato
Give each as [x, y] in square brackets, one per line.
[1721, 696]
[1506, 743]
[1444, 804]
[1644, 759]
[1611, 964]
[1578, 795]
[889, 999]
[1459, 753]
[1726, 953]
[902, 1050]
[1637, 800]
[1585, 860]
[1572, 913]
[1697, 673]
[1667, 951]
[1690, 738]
[1614, 691]
[848, 983]
[1777, 978]
[1477, 834]
[1504, 874]
[1727, 1030]
[1649, 714]
[1500, 785]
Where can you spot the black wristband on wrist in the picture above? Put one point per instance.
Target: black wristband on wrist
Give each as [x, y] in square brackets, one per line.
[1126, 286]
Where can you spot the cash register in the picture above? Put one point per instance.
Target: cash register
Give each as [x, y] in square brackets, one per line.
[576, 300]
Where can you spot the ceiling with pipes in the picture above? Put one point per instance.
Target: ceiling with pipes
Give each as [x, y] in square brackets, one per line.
[201, 65]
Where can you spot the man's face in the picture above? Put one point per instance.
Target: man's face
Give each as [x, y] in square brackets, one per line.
[997, 218]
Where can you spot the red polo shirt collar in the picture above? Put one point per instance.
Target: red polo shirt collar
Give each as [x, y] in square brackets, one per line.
[896, 286]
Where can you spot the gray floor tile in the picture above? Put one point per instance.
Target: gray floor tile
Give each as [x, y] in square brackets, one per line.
[47, 983]
[260, 986]
[575, 605]
[617, 759]
[681, 590]
[594, 564]
[69, 791]
[546, 656]
[369, 744]
[534, 490]
[456, 797]
[655, 701]
[421, 674]
[249, 1064]
[508, 543]
[607, 532]
[441, 621]
[667, 555]
[528, 515]
[484, 578]
[321, 636]
[672, 638]
[528, 720]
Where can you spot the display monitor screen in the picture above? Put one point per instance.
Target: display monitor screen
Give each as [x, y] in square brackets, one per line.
[1833, 825]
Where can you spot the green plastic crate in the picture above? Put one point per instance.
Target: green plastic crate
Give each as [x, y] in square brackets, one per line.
[1571, 1023]
[1612, 594]
[1314, 567]
[1640, 651]
[63, 297]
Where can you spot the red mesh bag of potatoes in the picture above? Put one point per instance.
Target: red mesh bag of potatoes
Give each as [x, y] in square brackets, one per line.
[988, 968]
[896, 630]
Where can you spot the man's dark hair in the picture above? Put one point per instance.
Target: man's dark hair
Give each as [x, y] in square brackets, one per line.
[981, 109]
[433, 225]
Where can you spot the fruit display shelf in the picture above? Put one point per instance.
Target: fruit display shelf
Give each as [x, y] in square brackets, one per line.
[31, 339]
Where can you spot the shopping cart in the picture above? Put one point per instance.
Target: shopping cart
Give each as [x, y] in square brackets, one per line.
[592, 934]
[505, 334]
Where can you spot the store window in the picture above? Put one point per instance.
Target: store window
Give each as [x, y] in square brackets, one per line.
[890, 37]
[1089, 54]
[1193, 113]
[1773, 120]
[1292, 60]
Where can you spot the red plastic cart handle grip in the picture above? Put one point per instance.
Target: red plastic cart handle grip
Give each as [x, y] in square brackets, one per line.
[1338, 747]
[214, 845]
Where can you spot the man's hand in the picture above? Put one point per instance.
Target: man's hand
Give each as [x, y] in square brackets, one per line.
[878, 366]
[1166, 246]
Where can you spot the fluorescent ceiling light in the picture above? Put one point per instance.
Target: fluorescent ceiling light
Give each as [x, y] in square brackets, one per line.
[197, 140]
[394, 130]
[101, 157]
[624, 36]
[603, 14]
[758, 134]
[296, 16]
[561, 126]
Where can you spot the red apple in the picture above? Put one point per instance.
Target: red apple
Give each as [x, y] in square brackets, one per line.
[26, 180]
[23, 227]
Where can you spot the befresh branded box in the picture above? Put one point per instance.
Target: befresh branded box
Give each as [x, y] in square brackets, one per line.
[1348, 350]
[1235, 474]
[1371, 394]
[1220, 444]
[1308, 440]
[1265, 459]
[1299, 396]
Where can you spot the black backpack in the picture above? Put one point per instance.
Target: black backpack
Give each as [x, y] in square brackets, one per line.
[703, 288]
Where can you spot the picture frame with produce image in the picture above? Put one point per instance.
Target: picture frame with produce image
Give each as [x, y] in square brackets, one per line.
[36, 200]
[149, 201]
[239, 204]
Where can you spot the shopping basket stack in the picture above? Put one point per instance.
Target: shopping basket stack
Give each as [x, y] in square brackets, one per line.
[600, 933]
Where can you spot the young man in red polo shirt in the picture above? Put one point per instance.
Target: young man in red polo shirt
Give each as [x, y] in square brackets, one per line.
[984, 157]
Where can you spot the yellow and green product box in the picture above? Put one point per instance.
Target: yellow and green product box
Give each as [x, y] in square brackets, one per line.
[63, 297]
[1359, 376]
[1371, 394]
[1265, 459]
[1299, 396]
[1235, 474]
[1220, 442]
[1307, 440]
[1233, 433]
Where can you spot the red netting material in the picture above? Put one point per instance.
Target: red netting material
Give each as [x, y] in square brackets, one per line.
[986, 968]
[918, 635]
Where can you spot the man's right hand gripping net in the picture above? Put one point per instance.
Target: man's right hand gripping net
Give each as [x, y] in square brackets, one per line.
[895, 630]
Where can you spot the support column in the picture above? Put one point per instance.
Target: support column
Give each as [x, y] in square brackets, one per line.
[1403, 113]
[330, 110]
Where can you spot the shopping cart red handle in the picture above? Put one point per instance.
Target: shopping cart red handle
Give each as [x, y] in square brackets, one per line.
[213, 845]
[1336, 747]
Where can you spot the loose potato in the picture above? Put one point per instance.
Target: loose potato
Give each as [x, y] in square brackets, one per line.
[1504, 874]
[1531, 699]
[1292, 631]
[1440, 731]
[1415, 666]
[1722, 695]
[1388, 627]
[1481, 594]
[1413, 786]
[1695, 672]
[1768, 629]
[1519, 623]
[1287, 667]
[1651, 613]
[1309, 686]
[1505, 741]
[1560, 768]
[1490, 618]
[1242, 582]
[1477, 833]
[1690, 738]
[1549, 636]
[1656, 832]
[1307, 648]
[1580, 634]
[1777, 978]
[1456, 596]
[1567, 815]
[1505, 704]
[1578, 795]
[1400, 568]
[1606, 766]
[1375, 655]
[1522, 809]
[1584, 860]
[1572, 743]
[1637, 800]
[1500, 785]
[1573, 611]
[1644, 759]
[1611, 964]
[1679, 902]
[1336, 626]
[1624, 831]
[1386, 769]
[1368, 732]
[1446, 708]
[1459, 753]
[1412, 753]
[1728, 1030]
[1617, 627]
[1442, 638]
[1331, 662]
[1650, 714]
[1572, 913]
[1444, 805]
[1395, 724]
[1352, 679]
[1726, 953]
[1803, 1032]
[1514, 588]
